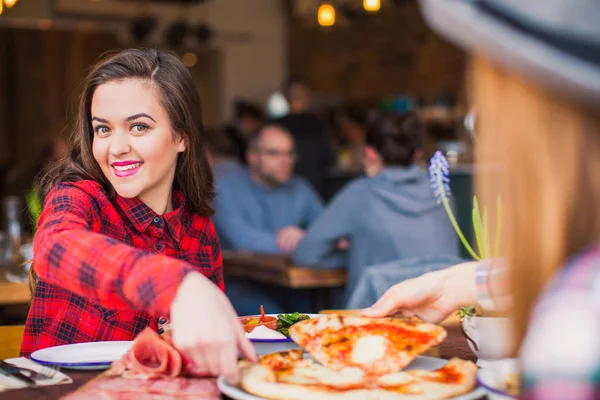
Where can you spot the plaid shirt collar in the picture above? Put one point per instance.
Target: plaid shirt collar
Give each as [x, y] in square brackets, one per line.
[141, 216]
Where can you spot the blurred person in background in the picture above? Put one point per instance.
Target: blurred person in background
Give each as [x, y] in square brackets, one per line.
[313, 143]
[221, 152]
[265, 209]
[536, 86]
[390, 215]
[248, 120]
[20, 179]
[352, 131]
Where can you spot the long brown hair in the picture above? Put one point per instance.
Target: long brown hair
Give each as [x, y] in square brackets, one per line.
[548, 150]
[180, 99]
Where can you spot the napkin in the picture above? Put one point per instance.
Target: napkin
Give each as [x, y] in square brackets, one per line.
[9, 382]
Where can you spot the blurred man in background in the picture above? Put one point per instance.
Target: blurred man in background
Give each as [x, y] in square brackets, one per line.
[265, 209]
[312, 141]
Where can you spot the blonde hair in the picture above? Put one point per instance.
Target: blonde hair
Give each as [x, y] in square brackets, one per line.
[547, 149]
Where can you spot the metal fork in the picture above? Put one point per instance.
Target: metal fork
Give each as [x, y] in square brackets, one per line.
[44, 373]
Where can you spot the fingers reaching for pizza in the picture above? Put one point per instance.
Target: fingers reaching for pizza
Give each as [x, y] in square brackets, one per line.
[431, 297]
[209, 344]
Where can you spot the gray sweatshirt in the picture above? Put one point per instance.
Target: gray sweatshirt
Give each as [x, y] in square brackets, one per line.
[390, 216]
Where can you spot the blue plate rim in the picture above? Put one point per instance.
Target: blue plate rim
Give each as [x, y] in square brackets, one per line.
[66, 364]
[77, 364]
[286, 340]
[491, 388]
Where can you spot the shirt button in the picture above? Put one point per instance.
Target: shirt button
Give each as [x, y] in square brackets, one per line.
[157, 220]
[161, 331]
[159, 246]
[162, 320]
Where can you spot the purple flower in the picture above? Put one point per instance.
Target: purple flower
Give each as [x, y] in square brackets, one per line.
[439, 176]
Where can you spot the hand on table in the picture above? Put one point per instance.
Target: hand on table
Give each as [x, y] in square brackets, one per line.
[343, 244]
[288, 238]
[210, 340]
[431, 297]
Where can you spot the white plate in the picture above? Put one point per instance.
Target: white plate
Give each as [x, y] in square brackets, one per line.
[270, 340]
[421, 362]
[491, 377]
[88, 356]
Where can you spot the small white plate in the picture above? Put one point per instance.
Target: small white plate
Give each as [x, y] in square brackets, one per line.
[86, 356]
[492, 374]
[421, 362]
[267, 345]
[270, 340]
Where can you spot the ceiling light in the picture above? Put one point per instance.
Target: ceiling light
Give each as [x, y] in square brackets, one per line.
[326, 15]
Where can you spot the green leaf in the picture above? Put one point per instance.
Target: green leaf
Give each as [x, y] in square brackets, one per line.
[457, 229]
[499, 220]
[486, 233]
[477, 227]
[467, 311]
[35, 206]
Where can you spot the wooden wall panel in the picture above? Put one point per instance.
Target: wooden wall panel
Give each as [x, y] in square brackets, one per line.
[390, 53]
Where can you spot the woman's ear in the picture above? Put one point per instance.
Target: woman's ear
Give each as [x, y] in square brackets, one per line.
[181, 143]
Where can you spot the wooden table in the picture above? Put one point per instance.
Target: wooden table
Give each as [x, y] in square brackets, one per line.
[455, 345]
[279, 270]
[13, 293]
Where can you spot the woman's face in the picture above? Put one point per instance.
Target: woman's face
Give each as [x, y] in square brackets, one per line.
[134, 143]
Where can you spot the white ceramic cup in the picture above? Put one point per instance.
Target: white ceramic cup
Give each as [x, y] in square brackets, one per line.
[488, 337]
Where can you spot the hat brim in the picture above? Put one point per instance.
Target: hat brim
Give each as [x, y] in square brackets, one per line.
[465, 24]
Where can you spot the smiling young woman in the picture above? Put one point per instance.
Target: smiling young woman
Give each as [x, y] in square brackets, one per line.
[125, 237]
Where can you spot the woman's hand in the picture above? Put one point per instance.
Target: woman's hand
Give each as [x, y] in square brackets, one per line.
[432, 296]
[206, 329]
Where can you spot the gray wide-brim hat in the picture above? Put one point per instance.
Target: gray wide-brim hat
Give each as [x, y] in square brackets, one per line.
[553, 42]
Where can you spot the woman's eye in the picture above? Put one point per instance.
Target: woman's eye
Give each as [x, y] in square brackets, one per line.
[102, 130]
[139, 128]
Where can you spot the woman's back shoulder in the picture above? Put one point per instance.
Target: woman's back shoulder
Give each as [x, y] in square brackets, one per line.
[83, 193]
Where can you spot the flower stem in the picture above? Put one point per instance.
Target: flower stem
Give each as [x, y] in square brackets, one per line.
[478, 227]
[446, 204]
[499, 219]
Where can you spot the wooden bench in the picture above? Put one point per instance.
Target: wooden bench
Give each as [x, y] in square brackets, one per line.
[10, 341]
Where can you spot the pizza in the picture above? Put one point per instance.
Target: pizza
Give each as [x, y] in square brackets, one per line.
[377, 346]
[298, 378]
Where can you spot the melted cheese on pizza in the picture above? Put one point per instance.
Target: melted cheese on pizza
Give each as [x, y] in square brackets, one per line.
[368, 349]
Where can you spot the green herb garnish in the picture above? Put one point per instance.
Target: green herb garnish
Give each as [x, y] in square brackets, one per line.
[469, 311]
[284, 321]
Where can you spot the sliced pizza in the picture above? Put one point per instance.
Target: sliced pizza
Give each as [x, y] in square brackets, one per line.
[378, 346]
[305, 379]
[283, 359]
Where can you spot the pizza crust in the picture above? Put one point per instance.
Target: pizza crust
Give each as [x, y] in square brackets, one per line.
[315, 382]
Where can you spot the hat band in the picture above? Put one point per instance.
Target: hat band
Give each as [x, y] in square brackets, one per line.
[583, 50]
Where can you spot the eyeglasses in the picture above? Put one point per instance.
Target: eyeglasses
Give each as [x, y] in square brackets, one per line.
[277, 153]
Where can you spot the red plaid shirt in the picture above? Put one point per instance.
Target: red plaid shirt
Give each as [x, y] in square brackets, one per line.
[108, 268]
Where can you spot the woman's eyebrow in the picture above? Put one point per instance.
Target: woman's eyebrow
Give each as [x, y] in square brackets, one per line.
[136, 116]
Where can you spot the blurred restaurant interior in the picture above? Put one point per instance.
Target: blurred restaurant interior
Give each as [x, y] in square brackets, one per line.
[349, 61]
